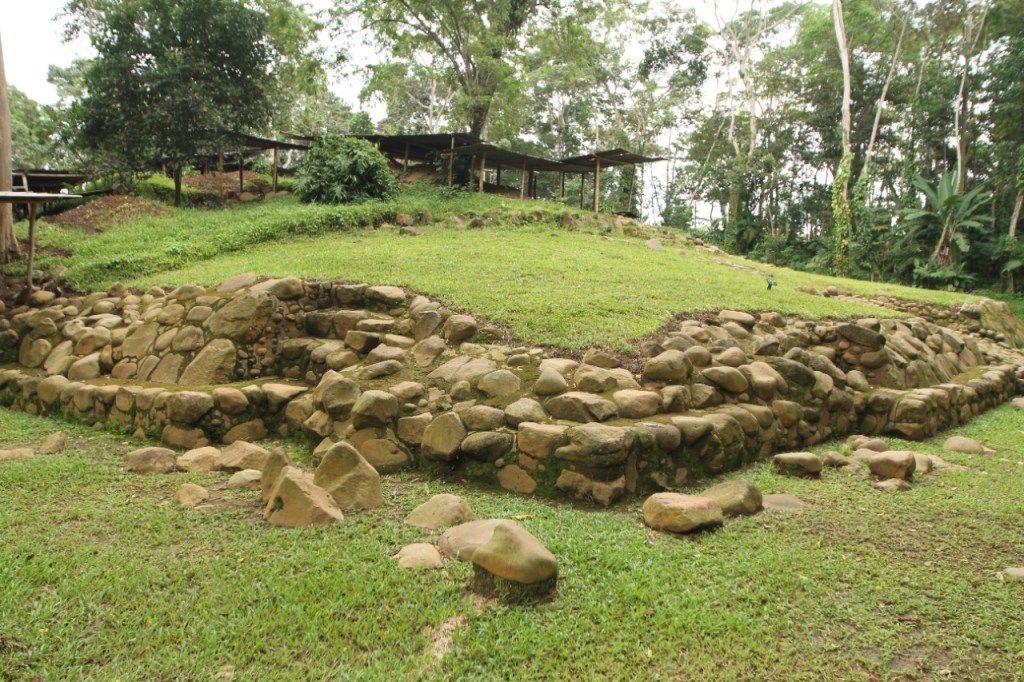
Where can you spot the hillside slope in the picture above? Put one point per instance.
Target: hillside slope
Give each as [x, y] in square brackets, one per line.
[552, 275]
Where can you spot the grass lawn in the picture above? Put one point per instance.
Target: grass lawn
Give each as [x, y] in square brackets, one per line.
[549, 285]
[104, 579]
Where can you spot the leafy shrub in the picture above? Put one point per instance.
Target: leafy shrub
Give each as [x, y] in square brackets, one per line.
[339, 170]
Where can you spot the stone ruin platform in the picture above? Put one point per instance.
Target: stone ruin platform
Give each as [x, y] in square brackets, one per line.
[410, 383]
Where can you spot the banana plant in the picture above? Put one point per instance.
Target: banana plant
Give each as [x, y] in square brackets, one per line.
[949, 214]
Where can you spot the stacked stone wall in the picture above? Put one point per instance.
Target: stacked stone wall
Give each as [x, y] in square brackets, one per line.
[410, 383]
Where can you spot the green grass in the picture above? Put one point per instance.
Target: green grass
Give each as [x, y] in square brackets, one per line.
[191, 235]
[550, 286]
[590, 286]
[105, 579]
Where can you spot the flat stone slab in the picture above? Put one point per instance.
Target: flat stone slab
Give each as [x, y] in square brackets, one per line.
[783, 502]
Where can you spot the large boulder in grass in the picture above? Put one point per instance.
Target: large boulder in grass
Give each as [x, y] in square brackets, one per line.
[798, 463]
[736, 498]
[965, 445]
[190, 494]
[150, 460]
[513, 554]
[440, 511]
[275, 463]
[349, 478]
[890, 464]
[242, 455]
[419, 556]
[462, 540]
[199, 460]
[296, 502]
[678, 513]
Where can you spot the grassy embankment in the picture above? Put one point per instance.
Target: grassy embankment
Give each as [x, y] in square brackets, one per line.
[103, 578]
[550, 285]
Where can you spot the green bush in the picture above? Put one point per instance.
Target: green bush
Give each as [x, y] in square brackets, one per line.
[340, 170]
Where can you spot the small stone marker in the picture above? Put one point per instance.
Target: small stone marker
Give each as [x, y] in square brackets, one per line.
[678, 513]
[783, 502]
[190, 494]
[419, 556]
[798, 463]
[150, 460]
[966, 445]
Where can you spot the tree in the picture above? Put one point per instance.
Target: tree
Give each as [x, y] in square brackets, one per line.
[475, 41]
[171, 80]
[31, 130]
[8, 243]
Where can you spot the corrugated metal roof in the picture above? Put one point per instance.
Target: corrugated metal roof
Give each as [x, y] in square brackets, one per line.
[612, 157]
[501, 155]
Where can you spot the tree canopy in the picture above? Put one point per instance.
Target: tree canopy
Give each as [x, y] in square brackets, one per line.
[170, 80]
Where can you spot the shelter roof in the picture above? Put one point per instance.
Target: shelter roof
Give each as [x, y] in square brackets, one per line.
[257, 142]
[501, 155]
[611, 157]
[45, 180]
[395, 145]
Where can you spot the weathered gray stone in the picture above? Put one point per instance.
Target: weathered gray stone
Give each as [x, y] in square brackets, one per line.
[349, 478]
[188, 407]
[374, 408]
[243, 318]
[198, 460]
[419, 556]
[296, 502]
[579, 487]
[524, 410]
[677, 513]
[487, 446]
[513, 554]
[215, 364]
[246, 479]
[500, 383]
[799, 463]
[150, 460]
[190, 494]
[440, 511]
[242, 455]
[965, 445]
[596, 445]
[736, 498]
[442, 438]
[672, 365]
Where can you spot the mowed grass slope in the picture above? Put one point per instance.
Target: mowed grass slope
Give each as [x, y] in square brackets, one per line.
[569, 288]
[103, 578]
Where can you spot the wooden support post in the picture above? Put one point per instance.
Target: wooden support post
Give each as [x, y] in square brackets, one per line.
[274, 175]
[632, 183]
[561, 186]
[31, 244]
[220, 167]
[451, 161]
[533, 185]
[597, 186]
[583, 182]
[241, 177]
[498, 180]
[522, 181]
[405, 161]
[483, 161]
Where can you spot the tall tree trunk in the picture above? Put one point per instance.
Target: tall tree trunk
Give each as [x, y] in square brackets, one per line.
[8, 243]
[880, 104]
[842, 218]
[1013, 230]
[967, 45]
